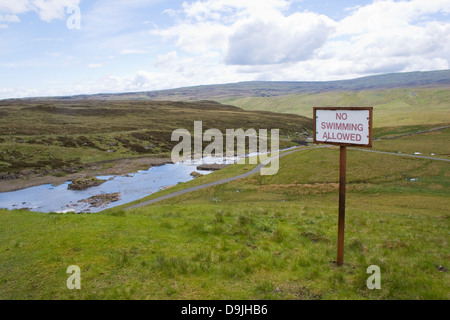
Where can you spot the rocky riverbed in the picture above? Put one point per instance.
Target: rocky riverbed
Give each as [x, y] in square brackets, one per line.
[102, 200]
[114, 191]
[29, 178]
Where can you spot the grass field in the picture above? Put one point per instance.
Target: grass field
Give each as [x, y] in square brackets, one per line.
[264, 237]
[392, 107]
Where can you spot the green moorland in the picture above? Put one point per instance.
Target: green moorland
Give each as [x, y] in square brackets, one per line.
[221, 92]
[393, 107]
[50, 135]
[263, 237]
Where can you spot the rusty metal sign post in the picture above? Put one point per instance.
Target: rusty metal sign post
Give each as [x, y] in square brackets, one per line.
[343, 127]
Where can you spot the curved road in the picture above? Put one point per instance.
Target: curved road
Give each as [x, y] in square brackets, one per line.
[216, 183]
[258, 168]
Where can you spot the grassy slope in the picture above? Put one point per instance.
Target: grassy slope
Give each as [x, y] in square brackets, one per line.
[262, 237]
[259, 238]
[392, 107]
[53, 134]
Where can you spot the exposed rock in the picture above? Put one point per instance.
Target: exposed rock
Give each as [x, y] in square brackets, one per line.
[9, 176]
[196, 174]
[212, 167]
[442, 268]
[85, 183]
[102, 199]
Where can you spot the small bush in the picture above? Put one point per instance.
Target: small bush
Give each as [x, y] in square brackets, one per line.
[244, 220]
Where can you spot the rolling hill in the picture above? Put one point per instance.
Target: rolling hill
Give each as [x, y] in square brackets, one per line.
[222, 92]
[399, 99]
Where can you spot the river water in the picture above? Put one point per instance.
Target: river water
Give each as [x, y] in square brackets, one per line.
[134, 186]
[49, 198]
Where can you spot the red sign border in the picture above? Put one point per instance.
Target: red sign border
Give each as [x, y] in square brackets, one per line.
[370, 109]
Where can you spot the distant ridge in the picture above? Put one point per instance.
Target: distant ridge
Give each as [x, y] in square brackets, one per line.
[276, 88]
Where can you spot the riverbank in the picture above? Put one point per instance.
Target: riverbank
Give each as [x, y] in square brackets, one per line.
[28, 178]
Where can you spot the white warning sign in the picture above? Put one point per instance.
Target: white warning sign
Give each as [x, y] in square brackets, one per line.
[341, 126]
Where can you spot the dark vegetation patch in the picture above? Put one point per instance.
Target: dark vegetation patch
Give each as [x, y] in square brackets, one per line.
[152, 136]
[137, 148]
[82, 111]
[123, 141]
[43, 130]
[145, 136]
[85, 142]
[134, 147]
[67, 142]
[17, 165]
[17, 160]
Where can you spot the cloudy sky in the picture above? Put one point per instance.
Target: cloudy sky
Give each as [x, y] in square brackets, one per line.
[65, 47]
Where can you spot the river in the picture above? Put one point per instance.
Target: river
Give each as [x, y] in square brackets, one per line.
[134, 186]
[49, 198]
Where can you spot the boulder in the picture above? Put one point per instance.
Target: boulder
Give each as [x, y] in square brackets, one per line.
[85, 183]
[102, 199]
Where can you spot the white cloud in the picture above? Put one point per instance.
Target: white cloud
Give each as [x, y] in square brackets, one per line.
[229, 11]
[141, 81]
[17, 6]
[248, 32]
[385, 15]
[196, 38]
[282, 39]
[9, 18]
[384, 36]
[48, 10]
[6, 90]
[204, 26]
[388, 36]
[166, 60]
[53, 9]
